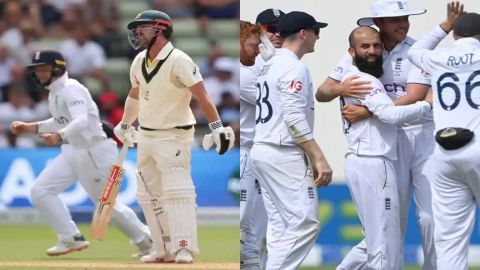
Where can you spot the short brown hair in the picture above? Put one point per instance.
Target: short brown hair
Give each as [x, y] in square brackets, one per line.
[248, 29]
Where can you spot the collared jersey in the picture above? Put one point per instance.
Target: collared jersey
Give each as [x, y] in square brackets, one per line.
[163, 92]
[285, 110]
[74, 113]
[455, 75]
[248, 91]
[377, 135]
[397, 72]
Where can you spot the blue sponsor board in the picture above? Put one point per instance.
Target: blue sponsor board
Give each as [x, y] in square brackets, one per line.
[19, 168]
[341, 228]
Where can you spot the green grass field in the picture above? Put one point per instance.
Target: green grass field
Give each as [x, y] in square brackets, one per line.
[25, 246]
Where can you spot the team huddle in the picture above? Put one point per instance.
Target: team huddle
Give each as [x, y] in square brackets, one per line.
[410, 113]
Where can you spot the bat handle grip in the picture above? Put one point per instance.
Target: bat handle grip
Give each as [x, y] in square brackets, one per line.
[123, 153]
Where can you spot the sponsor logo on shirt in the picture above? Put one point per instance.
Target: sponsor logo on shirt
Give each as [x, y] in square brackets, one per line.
[338, 70]
[376, 91]
[296, 86]
[394, 87]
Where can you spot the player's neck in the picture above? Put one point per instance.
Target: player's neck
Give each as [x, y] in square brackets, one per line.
[156, 48]
[295, 48]
[389, 43]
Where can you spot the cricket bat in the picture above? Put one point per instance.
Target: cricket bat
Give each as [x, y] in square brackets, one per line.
[103, 210]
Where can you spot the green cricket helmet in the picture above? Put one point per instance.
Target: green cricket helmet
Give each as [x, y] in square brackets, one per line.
[160, 21]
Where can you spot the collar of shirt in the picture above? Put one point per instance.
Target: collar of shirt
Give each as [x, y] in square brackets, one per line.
[286, 51]
[164, 51]
[59, 83]
[408, 41]
[467, 42]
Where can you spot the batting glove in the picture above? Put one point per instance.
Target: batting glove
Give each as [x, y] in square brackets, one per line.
[222, 137]
[126, 133]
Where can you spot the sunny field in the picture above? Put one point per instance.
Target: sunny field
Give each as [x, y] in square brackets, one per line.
[23, 247]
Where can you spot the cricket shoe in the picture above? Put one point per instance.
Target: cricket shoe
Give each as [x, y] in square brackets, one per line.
[75, 243]
[184, 256]
[153, 257]
[144, 247]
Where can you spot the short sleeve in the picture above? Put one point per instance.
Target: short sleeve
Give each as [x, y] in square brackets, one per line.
[342, 68]
[135, 66]
[186, 71]
[417, 75]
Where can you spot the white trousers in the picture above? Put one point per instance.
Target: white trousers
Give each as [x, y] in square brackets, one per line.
[90, 166]
[414, 173]
[253, 217]
[372, 184]
[166, 188]
[456, 192]
[291, 201]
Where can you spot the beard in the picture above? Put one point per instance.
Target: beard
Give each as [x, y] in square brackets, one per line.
[245, 58]
[373, 68]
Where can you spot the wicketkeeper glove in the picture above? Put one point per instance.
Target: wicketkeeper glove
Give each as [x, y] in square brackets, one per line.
[267, 50]
[222, 137]
[126, 133]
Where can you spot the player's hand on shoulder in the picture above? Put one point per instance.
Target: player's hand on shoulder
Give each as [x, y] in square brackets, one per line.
[322, 172]
[351, 87]
[125, 133]
[222, 137]
[18, 127]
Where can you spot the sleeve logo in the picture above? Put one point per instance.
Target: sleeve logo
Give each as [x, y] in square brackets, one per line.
[296, 85]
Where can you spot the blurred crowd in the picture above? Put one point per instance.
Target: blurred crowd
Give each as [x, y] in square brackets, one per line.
[89, 33]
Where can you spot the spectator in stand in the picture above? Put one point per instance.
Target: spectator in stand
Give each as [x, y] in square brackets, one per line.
[174, 8]
[12, 15]
[215, 9]
[223, 80]
[85, 57]
[7, 63]
[71, 18]
[229, 108]
[206, 63]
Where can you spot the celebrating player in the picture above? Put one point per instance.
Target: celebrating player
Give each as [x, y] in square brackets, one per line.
[87, 155]
[455, 75]
[252, 210]
[163, 81]
[253, 217]
[405, 84]
[369, 169]
[283, 139]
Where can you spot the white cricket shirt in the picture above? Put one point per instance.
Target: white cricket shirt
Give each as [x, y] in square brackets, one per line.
[248, 91]
[455, 73]
[397, 72]
[74, 113]
[163, 94]
[285, 109]
[377, 135]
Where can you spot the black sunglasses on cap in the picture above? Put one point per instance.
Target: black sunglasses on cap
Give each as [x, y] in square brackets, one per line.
[271, 28]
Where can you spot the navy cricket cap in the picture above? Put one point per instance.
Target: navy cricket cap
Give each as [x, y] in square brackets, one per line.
[291, 23]
[467, 25]
[271, 15]
[47, 57]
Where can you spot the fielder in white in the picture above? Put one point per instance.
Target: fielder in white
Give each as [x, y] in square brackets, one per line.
[163, 81]
[455, 75]
[369, 168]
[405, 84]
[252, 210]
[253, 216]
[285, 157]
[86, 155]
